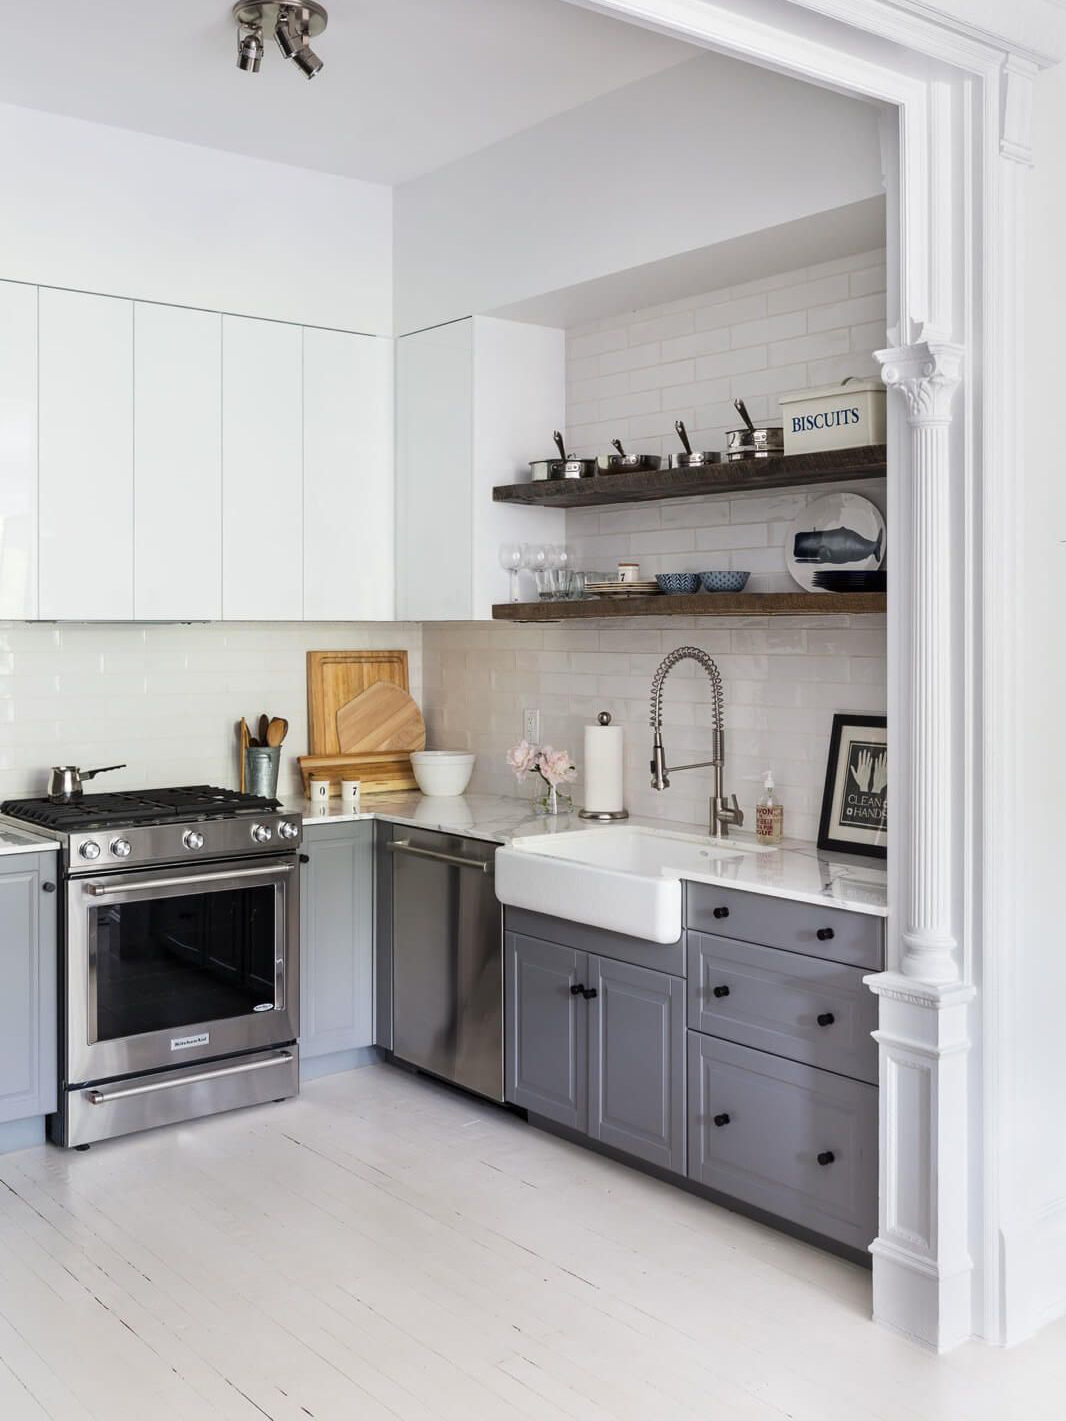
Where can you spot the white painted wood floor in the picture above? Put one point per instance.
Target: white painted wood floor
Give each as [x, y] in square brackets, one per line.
[384, 1247]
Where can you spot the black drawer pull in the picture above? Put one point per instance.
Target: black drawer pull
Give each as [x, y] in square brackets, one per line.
[48, 888]
[825, 934]
[826, 1157]
[721, 1120]
[577, 989]
[721, 991]
[589, 993]
[721, 912]
[305, 858]
[826, 1018]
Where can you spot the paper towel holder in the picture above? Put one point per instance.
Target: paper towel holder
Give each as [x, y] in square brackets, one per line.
[604, 816]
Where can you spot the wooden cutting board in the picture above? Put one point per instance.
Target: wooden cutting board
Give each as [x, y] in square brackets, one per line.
[334, 678]
[380, 774]
[383, 717]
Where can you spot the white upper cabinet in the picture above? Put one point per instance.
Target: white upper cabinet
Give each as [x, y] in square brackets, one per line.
[262, 471]
[348, 477]
[475, 401]
[18, 451]
[177, 470]
[85, 457]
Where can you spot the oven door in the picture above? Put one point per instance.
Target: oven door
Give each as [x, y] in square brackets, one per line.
[166, 967]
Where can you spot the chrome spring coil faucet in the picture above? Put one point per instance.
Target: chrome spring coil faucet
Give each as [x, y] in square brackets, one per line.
[723, 810]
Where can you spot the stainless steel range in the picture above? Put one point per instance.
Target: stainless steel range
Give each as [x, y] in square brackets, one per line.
[179, 955]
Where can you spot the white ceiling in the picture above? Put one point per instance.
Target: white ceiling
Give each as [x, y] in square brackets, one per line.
[408, 85]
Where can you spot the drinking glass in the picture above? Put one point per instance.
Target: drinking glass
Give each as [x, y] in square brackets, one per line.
[511, 558]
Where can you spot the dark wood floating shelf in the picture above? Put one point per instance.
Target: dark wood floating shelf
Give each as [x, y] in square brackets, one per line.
[699, 604]
[790, 471]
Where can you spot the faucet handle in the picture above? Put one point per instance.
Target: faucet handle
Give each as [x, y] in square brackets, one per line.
[738, 812]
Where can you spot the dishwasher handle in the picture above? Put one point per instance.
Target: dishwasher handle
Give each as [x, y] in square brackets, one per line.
[404, 846]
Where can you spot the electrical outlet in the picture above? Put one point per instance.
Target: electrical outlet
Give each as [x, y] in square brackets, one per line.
[531, 726]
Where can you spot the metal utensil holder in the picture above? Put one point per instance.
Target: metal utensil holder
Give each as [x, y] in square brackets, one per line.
[261, 765]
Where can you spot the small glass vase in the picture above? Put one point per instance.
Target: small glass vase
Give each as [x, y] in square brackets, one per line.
[553, 800]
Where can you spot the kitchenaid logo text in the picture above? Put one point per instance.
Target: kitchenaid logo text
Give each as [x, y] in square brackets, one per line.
[182, 1043]
[831, 419]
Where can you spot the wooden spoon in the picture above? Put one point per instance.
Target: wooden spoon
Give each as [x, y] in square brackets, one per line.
[261, 730]
[277, 731]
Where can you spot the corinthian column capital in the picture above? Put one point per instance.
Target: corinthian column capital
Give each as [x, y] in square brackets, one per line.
[927, 376]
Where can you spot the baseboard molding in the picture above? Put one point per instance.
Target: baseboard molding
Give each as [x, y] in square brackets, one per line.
[21, 1134]
[1034, 1273]
[336, 1061]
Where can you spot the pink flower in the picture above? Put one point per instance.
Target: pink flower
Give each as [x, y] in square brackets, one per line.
[522, 758]
[556, 766]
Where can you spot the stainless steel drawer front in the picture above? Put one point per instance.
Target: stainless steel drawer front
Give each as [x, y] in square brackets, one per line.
[804, 1008]
[835, 934]
[788, 1139]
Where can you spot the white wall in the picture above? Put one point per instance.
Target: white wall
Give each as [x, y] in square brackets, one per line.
[164, 699]
[696, 157]
[103, 209]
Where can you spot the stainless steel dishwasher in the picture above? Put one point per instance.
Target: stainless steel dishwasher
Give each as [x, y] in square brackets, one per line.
[447, 959]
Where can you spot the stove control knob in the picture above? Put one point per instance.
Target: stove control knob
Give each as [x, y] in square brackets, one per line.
[262, 833]
[287, 829]
[121, 848]
[90, 849]
[192, 839]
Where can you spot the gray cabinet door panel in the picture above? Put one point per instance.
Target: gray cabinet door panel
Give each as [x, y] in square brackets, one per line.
[546, 1028]
[846, 936]
[660, 957]
[337, 939]
[28, 1003]
[637, 1062]
[775, 1119]
[781, 1002]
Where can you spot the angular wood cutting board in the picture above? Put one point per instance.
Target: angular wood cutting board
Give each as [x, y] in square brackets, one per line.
[383, 717]
[336, 677]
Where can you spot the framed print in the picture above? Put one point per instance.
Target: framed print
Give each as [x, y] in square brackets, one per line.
[855, 800]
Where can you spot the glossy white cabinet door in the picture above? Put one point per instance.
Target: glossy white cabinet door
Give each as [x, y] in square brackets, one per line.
[177, 464]
[434, 454]
[18, 451]
[262, 473]
[348, 477]
[85, 456]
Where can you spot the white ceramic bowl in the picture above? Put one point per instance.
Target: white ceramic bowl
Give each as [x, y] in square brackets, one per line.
[442, 772]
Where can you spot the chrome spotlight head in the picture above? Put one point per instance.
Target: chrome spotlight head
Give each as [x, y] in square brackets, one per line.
[293, 23]
[307, 61]
[250, 51]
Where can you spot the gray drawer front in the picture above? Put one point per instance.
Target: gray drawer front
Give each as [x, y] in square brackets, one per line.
[659, 957]
[779, 1117]
[773, 1000]
[856, 938]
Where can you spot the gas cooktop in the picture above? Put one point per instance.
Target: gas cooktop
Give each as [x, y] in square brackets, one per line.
[141, 806]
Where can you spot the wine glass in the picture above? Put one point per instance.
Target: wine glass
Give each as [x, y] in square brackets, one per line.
[512, 560]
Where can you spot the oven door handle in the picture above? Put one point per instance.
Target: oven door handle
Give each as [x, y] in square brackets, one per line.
[101, 1097]
[101, 890]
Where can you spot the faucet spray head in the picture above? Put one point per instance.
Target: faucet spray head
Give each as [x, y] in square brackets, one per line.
[660, 779]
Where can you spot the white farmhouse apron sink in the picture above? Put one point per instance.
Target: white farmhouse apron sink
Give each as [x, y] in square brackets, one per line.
[623, 878]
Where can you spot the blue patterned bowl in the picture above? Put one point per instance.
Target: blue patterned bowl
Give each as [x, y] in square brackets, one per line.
[724, 581]
[677, 584]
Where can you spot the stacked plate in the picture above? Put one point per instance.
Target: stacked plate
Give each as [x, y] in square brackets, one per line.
[836, 580]
[621, 589]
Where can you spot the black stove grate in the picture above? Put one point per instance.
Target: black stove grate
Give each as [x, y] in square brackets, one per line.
[130, 807]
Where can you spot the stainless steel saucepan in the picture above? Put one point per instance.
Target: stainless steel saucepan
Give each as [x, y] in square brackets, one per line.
[692, 458]
[565, 467]
[623, 463]
[751, 442]
[66, 781]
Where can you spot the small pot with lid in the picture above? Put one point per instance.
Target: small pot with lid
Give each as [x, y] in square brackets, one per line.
[692, 458]
[753, 442]
[566, 466]
[623, 463]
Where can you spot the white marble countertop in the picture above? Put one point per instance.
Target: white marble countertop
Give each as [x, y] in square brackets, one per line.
[20, 841]
[797, 870]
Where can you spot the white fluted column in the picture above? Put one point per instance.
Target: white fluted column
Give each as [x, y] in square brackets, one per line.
[927, 376]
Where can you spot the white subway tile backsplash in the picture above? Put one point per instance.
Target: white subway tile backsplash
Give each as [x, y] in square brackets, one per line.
[853, 312]
[792, 323]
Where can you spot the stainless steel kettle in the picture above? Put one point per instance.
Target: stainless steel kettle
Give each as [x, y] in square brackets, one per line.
[66, 781]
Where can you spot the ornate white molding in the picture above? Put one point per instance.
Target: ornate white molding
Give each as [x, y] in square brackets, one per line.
[1016, 110]
[927, 375]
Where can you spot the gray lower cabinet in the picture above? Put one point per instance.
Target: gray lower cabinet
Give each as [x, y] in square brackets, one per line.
[28, 1002]
[546, 1030]
[597, 1045]
[791, 1140]
[336, 938]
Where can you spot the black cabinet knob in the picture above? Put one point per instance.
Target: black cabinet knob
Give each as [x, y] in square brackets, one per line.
[721, 912]
[589, 993]
[48, 888]
[721, 991]
[826, 1157]
[826, 1018]
[577, 989]
[305, 858]
[825, 934]
[721, 1120]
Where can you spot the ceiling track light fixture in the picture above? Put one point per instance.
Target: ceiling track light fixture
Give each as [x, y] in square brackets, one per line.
[292, 25]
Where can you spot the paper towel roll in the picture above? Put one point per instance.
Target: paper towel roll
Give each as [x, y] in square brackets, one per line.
[604, 758]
